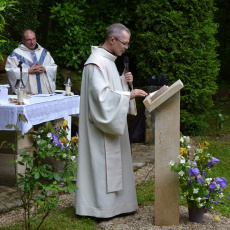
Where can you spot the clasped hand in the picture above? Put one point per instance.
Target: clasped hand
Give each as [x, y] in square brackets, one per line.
[36, 69]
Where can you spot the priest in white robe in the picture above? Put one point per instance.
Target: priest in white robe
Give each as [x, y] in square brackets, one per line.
[105, 177]
[38, 67]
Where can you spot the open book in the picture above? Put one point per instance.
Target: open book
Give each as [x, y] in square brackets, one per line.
[152, 96]
[153, 100]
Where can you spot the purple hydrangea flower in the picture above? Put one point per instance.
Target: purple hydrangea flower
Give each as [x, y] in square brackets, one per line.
[206, 210]
[229, 196]
[56, 142]
[211, 163]
[205, 174]
[212, 186]
[57, 129]
[200, 180]
[221, 181]
[193, 171]
[215, 202]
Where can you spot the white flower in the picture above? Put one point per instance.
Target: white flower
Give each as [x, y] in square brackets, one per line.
[218, 186]
[221, 195]
[194, 163]
[64, 155]
[182, 161]
[49, 135]
[208, 180]
[195, 190]
[191, 198]
[198, 199]
[182, 139]
[199, 150]
[196, 158]
[73, 158]
[186, 139]
[181, 173]
[38, 142]
[39, 136]
[189, 147]
[49, 146]
[171, 163]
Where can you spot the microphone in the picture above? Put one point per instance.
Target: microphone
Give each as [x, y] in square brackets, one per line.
[126, 64]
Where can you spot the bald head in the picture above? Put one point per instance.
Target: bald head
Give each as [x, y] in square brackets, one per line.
[29, 39]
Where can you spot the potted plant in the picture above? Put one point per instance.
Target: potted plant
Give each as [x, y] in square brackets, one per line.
[52, 141]
[200, 191]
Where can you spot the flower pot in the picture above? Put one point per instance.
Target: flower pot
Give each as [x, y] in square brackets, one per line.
[196, 214]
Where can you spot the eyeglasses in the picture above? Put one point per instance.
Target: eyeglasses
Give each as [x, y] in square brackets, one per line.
[30, 40]
[124, 44]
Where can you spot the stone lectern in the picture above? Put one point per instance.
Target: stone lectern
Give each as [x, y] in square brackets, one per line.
[166, 103]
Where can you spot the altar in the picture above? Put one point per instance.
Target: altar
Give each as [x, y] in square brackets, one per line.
[37, 109]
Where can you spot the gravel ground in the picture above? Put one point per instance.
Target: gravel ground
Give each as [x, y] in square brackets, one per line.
[142, 219]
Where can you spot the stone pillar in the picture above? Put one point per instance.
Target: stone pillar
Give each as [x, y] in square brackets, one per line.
[9, 171]
[167, 144]
[166, 104]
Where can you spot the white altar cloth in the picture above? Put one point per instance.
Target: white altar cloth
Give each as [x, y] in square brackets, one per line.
[38, 109]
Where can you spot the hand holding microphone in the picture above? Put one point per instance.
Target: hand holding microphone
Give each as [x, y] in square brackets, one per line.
[128, 75]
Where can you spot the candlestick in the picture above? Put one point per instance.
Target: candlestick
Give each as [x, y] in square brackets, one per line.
[68, 90]
[20, 97]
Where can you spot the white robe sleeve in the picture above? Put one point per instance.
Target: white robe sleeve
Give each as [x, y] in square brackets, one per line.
[132, 105]
[51, 71]
[13, 72]
[107, 108]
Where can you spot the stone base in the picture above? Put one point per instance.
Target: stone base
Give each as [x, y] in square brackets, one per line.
[7, 171]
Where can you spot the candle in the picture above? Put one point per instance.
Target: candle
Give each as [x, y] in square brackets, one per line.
[20, 97]
[68, 90]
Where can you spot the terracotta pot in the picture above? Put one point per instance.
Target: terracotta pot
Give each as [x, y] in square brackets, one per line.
[196, 214]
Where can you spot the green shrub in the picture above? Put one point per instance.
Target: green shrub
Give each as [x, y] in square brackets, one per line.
[177, 38]
[78, 25]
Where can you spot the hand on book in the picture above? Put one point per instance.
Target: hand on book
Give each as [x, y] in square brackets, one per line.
[137, 93]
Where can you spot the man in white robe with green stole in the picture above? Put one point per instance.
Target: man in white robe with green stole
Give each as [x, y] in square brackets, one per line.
[105, 177]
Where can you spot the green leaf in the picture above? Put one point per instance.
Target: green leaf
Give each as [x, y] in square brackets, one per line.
[57, 176]
[37, 175]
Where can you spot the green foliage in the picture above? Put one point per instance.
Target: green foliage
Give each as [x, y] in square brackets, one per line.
[217, 119]
[4, 5]
[176, 38]
[77, 25]
[221, 149]
[23, 16]
[39, 182]
[8, 46]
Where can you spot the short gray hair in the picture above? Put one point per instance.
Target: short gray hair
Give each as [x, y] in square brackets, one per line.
[115, 30]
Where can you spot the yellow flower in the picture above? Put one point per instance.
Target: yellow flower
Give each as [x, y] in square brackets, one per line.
[74, 140]
[63, 140]
[65, 124]
[183, 151]
[205, 145]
